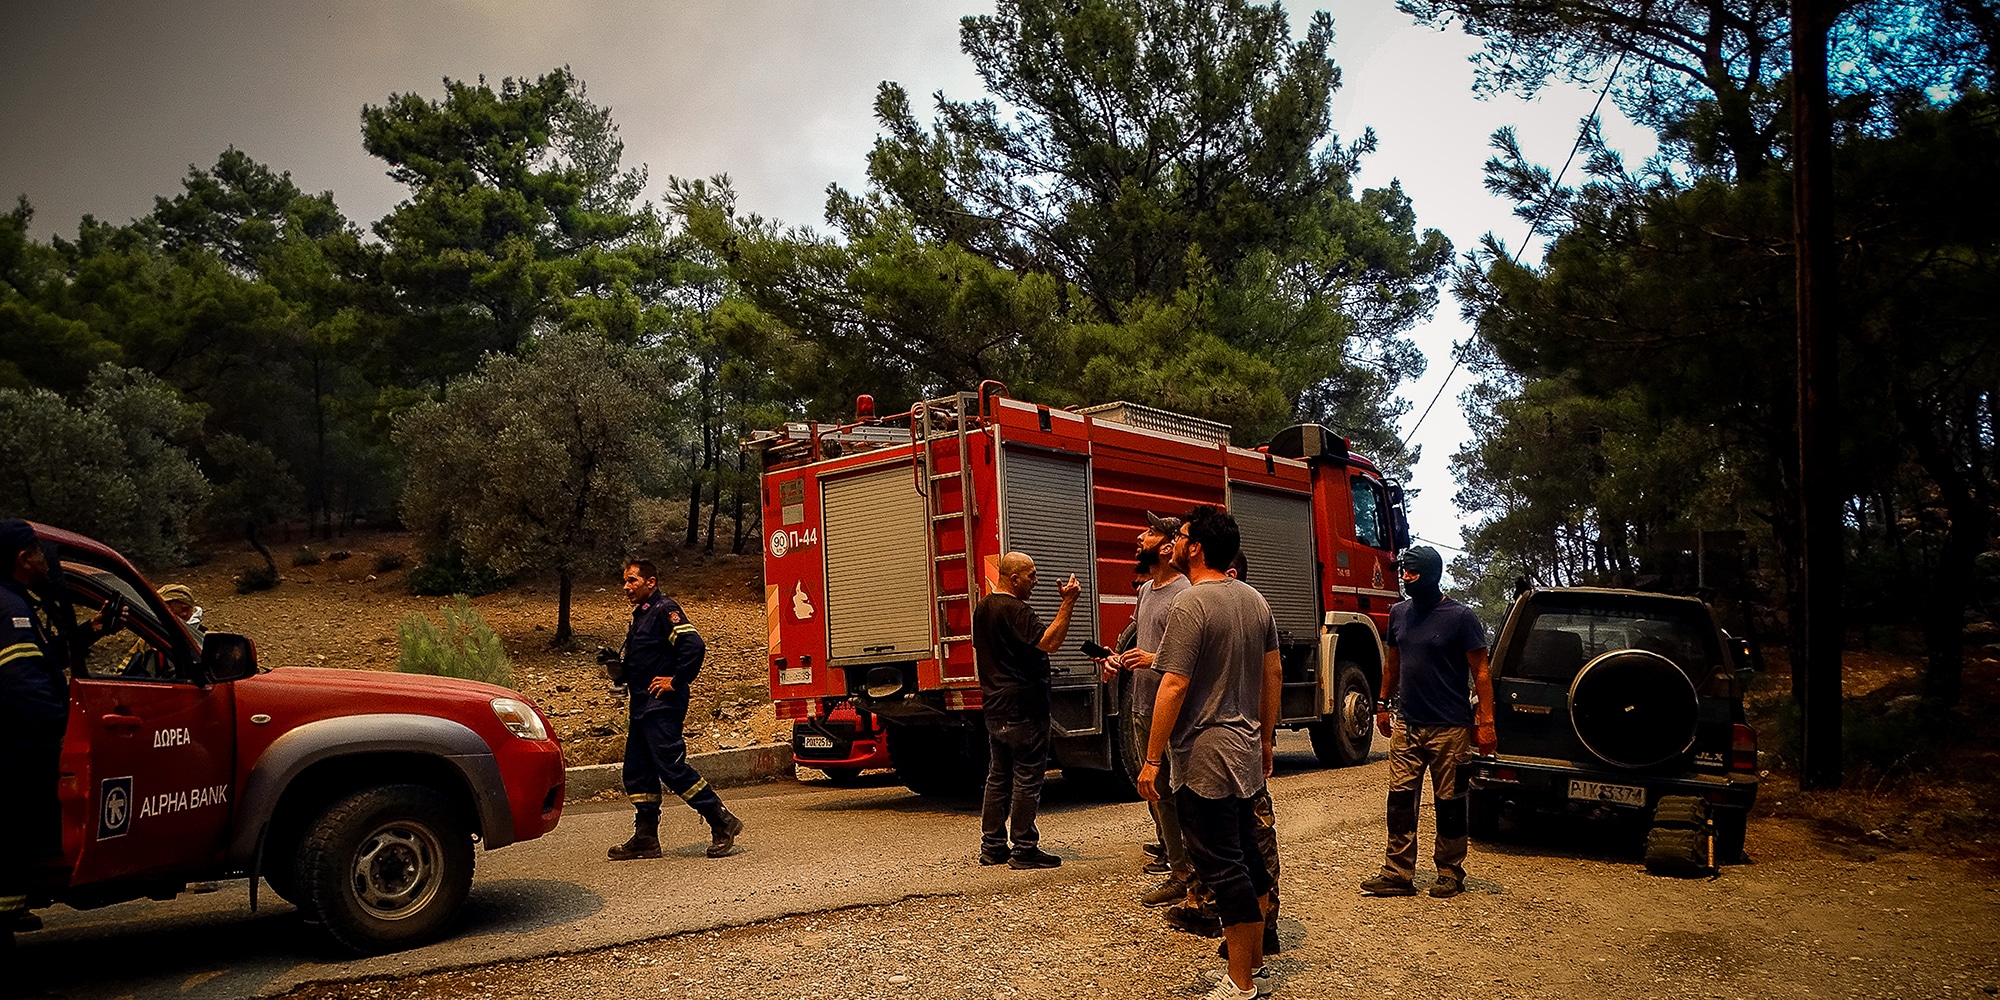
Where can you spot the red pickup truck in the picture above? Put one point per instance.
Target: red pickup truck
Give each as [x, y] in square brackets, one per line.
[358, 796]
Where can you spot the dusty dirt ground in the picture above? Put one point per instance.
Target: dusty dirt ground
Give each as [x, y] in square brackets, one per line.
[343, 613]
[1540, 919]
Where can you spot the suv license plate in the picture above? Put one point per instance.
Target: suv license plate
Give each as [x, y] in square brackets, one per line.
[815, 742]
[1617, 795]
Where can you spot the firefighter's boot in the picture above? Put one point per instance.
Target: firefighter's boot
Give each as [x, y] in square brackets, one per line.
[645, 842]
[724, 826]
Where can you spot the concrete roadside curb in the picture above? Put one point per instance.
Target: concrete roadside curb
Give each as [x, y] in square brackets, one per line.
[722, 768]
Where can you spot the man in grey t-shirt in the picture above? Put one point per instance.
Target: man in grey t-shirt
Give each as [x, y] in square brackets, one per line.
[1216, 717]
[1163, 584]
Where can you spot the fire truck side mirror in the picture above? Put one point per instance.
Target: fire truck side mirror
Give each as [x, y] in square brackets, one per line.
[1399, 519]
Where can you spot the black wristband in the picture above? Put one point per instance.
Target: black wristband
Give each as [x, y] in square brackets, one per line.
[1152, 763]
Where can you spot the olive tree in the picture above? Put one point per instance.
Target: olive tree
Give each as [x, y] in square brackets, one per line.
[532, 462]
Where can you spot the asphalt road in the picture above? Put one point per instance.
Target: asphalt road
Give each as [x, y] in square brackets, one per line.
[1558, 909]
[806, 847]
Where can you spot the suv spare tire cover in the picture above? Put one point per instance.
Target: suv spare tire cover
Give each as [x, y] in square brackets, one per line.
[1633, 708]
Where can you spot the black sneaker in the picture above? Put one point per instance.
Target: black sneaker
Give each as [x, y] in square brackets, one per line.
[1158, 866]
[986, 858]
[1388, 885]
[1154, 850]
[1447, 886]
[1195, 920]
[637, 847]
[1036, 858]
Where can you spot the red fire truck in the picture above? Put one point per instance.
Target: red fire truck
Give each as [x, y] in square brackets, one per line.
[882, 535]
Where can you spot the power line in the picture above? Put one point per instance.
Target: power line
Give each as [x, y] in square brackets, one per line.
[1533, 224]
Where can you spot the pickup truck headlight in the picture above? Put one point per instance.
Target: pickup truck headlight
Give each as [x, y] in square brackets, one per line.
[520, 718]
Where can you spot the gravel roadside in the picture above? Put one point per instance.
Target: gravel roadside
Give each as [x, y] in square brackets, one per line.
[1804, 921]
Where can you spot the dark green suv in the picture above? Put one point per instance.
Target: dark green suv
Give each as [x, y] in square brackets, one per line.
[1621, 703]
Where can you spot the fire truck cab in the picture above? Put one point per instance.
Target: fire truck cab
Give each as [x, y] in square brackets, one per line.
[883, 534]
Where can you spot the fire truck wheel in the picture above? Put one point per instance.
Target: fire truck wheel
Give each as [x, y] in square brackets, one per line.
[387, 868]
[1343, 738]
[845, 777]
[939, 761]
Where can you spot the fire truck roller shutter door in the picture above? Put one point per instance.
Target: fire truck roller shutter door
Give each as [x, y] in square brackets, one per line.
[877, 567]
[1045, 511]
[1277, 534]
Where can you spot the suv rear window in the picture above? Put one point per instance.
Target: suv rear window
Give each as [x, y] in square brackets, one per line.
[1561, 640]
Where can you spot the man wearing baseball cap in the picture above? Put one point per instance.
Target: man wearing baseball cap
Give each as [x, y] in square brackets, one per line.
[1436, 661]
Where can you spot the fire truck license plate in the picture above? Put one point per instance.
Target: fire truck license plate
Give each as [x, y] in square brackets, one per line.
[814, 742]
[1597, 791]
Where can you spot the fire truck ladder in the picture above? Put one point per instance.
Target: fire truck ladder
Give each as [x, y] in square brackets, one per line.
[949, 415]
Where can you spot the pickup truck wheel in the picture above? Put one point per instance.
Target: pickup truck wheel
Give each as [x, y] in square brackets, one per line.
[1343, 738]
[387, 868]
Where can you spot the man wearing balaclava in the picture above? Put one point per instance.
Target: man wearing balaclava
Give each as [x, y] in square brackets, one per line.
[1436, 660]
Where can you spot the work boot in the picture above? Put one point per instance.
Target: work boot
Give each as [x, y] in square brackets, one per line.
[724, 829]
[1386, 884]
[1173, 890]
[642, 845]
[1448, 885]
[645, 842]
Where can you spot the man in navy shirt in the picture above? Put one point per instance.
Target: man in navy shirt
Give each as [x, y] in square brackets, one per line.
[1436, 660]
[663, 653]
[34, 711]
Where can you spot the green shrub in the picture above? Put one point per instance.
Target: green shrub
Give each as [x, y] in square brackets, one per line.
[465, 648]
[256, 578]
[446, 573]
[390, 560]
[305, 556]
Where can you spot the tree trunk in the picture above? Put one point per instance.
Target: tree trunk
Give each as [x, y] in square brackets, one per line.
[250, 532]
[694, 503]
[736, 541]
[564, 636]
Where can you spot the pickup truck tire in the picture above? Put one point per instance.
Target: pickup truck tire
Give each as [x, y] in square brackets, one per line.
[387, 868]
[1343, 738]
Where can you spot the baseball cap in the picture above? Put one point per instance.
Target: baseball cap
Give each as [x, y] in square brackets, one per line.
[15, 535]
[1164, 525]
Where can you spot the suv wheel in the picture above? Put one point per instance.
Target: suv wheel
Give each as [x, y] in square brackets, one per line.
[1482, 807]
[387, 868]
[1730, 828]
[1343, 738]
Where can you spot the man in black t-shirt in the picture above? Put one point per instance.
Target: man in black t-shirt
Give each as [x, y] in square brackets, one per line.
[1012, 649]
[1437, 659]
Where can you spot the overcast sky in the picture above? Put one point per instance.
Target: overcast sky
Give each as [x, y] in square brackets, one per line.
[105, 105]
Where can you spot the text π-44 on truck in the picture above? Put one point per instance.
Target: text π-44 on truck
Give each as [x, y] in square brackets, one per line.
[358, 796]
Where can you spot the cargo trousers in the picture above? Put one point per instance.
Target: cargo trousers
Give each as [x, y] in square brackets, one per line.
[1412, 751]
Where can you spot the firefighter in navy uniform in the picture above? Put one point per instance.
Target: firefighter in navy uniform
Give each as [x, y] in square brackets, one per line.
[663, 652]
[34, 711]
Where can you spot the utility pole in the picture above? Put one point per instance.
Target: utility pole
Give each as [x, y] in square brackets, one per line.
[1819, 395]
